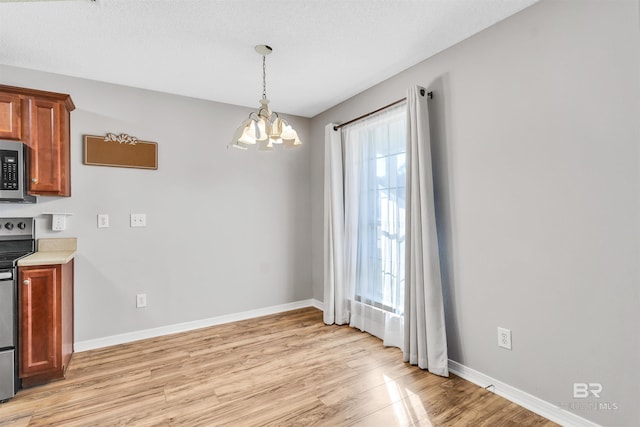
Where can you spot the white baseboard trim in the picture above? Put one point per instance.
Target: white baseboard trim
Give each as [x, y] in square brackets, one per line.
[317, 304]
[189, 326]
[519, 397]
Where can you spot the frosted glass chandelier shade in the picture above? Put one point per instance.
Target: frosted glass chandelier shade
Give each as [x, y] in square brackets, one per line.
[265, 128]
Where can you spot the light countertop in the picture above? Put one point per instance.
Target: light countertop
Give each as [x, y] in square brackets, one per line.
[51, 251]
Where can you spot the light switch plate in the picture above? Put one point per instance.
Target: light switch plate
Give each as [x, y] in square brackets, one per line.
[103, 220]
[141, 300]
[138, 220]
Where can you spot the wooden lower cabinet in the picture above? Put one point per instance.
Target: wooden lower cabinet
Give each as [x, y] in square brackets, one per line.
[45, 323]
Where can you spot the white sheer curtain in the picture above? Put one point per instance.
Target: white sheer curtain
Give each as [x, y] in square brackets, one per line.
[374, 194]
[373, 163]
[425, 339]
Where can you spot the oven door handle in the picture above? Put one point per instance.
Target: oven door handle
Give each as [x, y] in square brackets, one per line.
[4, 275]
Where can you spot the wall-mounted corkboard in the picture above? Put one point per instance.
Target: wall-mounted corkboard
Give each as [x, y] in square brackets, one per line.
[121, 151]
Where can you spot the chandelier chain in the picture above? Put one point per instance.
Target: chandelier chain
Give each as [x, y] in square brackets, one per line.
[264, 77]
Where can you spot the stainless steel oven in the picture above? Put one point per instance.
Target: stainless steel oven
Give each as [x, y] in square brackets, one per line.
[17, 240]
[14, 161]
[8, 334]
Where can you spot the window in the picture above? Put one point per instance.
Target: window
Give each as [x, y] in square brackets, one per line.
[375, 184]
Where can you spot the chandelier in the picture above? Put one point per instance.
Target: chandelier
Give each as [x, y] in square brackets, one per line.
[265, 128]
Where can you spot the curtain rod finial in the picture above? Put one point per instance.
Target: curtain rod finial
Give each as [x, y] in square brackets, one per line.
[429, 94]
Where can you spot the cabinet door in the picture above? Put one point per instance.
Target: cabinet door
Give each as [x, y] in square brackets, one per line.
[48, 165]
[9, 116]
[39, 320]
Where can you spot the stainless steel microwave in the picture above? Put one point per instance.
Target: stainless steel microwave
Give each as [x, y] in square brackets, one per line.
[14, 162]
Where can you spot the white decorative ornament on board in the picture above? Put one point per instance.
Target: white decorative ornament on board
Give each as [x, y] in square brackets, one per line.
[123, 138]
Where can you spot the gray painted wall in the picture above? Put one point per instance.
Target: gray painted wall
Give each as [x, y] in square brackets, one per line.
[536, 165]
[228, 230]
[535, 140]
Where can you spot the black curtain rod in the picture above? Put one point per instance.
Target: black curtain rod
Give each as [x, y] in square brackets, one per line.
[429, 95]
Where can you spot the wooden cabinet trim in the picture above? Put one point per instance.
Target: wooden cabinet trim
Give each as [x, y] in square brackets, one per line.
[53, 96]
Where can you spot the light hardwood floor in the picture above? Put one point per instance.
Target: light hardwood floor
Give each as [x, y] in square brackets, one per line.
[285, 369]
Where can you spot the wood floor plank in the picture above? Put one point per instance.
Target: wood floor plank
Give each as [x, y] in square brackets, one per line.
[286, 369]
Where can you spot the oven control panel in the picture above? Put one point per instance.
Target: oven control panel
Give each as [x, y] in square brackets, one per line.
[13, 227]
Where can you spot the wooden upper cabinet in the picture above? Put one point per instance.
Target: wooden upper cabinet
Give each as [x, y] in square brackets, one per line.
[42, 121]
[9, 116]
[49, 154]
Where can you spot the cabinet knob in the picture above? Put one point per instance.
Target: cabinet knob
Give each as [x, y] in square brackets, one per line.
[26, 282]
[34, 179]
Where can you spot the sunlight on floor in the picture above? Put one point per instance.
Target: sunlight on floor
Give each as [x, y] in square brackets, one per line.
[407, 406]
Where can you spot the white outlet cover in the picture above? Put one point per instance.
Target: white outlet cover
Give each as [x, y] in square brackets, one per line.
[504, 338]
[58, 222]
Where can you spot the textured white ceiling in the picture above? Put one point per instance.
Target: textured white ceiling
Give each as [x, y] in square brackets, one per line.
[325, 51]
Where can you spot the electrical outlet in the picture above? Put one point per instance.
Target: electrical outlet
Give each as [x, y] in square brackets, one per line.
[141, 300]
[58, 222]
[504, 338]
[103, 221]
[138, 220]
